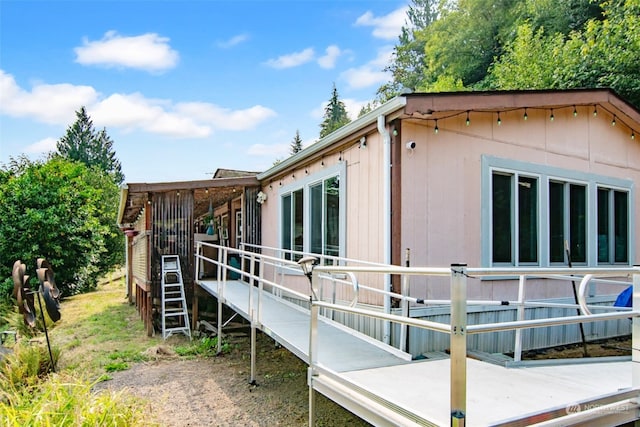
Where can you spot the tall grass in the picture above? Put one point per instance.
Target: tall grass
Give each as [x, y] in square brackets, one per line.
[97, 330]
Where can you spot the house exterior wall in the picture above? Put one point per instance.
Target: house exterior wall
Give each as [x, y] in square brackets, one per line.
[444, 207]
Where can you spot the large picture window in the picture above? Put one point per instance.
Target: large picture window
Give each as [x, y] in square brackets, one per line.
[533, 213]
[312, 215]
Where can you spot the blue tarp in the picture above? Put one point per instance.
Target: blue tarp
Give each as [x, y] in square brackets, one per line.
[625, 299]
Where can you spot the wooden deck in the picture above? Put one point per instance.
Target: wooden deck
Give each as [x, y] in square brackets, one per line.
[383, 386]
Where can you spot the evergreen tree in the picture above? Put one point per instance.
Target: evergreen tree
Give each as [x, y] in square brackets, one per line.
[296, 144]
[93, 148]
[335, 115]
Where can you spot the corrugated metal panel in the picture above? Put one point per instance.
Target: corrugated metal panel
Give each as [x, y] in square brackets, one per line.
[421, 341]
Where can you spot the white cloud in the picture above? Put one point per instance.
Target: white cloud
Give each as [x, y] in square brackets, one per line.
[329, 59]
[371, 73]
[148, 52]
[57, 104]
[233, 41]
[52, 104]
[135, 112]
[292, 60]
[42, 146]
[273, 151]
[385, 27]
[224, 118]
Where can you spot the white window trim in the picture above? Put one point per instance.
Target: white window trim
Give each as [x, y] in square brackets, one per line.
[547, 173]
[304, 183]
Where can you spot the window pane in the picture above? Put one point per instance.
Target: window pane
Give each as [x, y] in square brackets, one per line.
[298, 230]
[621, 226]
[286, 224]
[316, 218]
[603, 225]
[332, 216]
[578, 222]
[501, 218]
[527, 219]
[556, 222]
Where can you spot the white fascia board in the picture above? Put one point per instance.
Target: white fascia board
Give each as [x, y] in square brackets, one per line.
[346, 130]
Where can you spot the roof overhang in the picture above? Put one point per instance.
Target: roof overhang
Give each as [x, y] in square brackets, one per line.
[434, 106]
[134, 196]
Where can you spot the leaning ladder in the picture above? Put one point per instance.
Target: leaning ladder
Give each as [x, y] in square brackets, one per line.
[174, 304]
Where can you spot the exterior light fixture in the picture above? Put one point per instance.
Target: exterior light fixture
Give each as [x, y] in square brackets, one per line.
[306, 264]
[363, 142]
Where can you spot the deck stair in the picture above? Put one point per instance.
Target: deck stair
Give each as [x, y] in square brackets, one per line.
[175, 317]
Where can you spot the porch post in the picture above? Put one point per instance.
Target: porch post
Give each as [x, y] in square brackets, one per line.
[458, 344]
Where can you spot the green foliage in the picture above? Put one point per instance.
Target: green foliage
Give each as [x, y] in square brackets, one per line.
[116, 366]
[64, 212]
[335, 115]
[606, 53]
[93, 148]
[529, 44]
[26, 365]
[206, 346]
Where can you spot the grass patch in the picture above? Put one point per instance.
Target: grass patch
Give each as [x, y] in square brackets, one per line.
[100, 332]
[205, 346]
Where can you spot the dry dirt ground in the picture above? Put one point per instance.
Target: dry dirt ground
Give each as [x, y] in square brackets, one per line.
[215, 391]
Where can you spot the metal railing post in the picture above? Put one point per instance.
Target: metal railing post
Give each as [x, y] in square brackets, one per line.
[635, 335]
[313, 348]
[198, 259]
[517, 346]
[458, 344]
[404, 328]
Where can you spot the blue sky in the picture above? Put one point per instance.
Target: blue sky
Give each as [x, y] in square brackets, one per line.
[186, 87]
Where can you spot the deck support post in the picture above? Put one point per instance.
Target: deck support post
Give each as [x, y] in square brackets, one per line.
[252, 380]
[635, 336]
[458, 344]
[219, 349]
[313, 348]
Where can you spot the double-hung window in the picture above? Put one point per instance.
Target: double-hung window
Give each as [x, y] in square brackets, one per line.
[312, 215]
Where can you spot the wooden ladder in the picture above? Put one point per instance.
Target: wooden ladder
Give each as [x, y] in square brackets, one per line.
[174, 304]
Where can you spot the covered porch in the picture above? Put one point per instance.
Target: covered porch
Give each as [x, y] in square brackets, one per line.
[168, 218]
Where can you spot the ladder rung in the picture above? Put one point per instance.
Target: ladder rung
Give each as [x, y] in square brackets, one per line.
[176, 329]
[177, 313]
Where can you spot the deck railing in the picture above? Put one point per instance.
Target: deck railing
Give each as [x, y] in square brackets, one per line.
[458, 330]
[333, 272]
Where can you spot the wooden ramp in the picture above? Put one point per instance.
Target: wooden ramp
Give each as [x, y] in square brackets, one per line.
[385, 387]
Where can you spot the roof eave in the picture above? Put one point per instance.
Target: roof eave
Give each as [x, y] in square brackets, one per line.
[346, 130]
